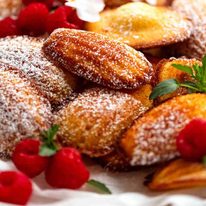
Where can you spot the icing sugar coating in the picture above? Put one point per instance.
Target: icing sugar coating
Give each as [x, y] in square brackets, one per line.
[10, 7]
[94, 121]
[195, 46]
[23, 112]
[152, 138]
[99, 59]
[143, 26]
[25, 54]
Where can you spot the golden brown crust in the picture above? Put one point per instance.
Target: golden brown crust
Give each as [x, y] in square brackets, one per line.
[179, 174]
[116, 3]
[143, 26]
[195, 46]
[23, 111]
[94, 121]
[151, 139]
[98, 59]
[25, 53]
[165, 71]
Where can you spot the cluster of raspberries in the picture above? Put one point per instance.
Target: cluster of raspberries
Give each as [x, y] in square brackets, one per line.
[39, 17]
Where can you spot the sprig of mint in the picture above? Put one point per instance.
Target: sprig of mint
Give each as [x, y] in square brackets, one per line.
[48, 147]
[197, 74]
[99, 186]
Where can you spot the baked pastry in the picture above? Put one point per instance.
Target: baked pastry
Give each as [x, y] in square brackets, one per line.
[25, 54]
[179, 174]
[195, 46]
[151, 139]
[165, 71]
[95, 120]
[116, 3]
[142, 26]
[98, 58]
[23, 111]
[10, 7]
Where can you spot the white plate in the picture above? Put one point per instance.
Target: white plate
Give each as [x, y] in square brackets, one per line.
[127, 189]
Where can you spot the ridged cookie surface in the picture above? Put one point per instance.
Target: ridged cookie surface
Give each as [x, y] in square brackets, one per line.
[152, 138]
[98, 59]
[23, 111]
[25, 54]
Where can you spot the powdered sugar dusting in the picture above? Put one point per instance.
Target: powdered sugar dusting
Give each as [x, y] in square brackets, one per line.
[23, 113]
[154, 135]
[25, 54]
[195, 46]
[98, 58]
[94, 121]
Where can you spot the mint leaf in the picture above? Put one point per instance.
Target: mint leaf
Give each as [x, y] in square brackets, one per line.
[49, 147]
[183, 68]
[164, 87]
[100, 186]
[204, 160]
[46, 151]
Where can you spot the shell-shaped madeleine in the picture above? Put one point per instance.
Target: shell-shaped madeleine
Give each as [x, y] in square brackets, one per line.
[195, 46]
[142, 26]
[94, 121]
[152, 138]
[165, 71]
[25, 53]
[24, 113]
[99, 59]
[179, 174]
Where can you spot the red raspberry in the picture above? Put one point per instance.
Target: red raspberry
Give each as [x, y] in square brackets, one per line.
[191, 142]
[27, 159]
[32, 19]
[48, 3]
[66, 170]
[15, 187]
[63, 17]
[8, 27]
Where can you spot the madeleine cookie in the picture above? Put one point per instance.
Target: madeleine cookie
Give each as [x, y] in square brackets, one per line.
[152, 138]
[179, 174]
[95, 120]
[143, 26]
[195, 46]
[25, 54]
[24, 113]
[99, 59]
[165, 71]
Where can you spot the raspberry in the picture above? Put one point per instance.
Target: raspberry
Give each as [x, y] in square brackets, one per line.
[63, 17]
[32, 19]
[48, 3]
[8, 27]
[191, 142]
[15, 187]
[27, 159]
[66, 169]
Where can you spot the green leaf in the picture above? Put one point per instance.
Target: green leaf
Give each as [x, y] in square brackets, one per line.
[100, 186]
[164, 87]
[204, 160]
[49, 146]
[183, 68]
[45, 151]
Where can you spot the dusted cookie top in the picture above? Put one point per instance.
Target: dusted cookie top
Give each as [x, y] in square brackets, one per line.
[98, 58]
[23, 111]
[152, 138]
[25, 54]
